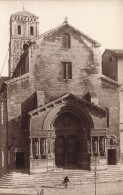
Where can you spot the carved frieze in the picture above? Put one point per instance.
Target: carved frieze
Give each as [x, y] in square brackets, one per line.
[46, 133]
[67, 120]
[98, 132]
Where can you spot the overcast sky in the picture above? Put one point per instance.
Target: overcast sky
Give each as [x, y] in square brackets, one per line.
[102, 20]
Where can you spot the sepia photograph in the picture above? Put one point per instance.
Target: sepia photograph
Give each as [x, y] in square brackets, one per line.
[61, 97]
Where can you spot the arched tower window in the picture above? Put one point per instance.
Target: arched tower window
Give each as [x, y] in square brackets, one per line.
[19, 29]
[66, 43]
[31, 30]
[25, 46]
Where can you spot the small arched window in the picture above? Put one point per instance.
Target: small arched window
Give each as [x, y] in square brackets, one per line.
[19, 29]
[25, 46]
[66, 43]
[110, 59]
[31, 30]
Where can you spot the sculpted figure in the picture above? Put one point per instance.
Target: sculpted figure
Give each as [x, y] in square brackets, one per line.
[101, 145]
[88, 146]
[95, 146]
[36, 148]
[43, 151]
[50, 145]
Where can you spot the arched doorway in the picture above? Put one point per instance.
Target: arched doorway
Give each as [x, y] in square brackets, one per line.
[72, 133]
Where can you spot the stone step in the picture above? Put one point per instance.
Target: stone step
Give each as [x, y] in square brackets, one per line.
[22, 180]
[60, 174]
[77, 177]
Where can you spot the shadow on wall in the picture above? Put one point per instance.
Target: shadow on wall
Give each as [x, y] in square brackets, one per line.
[18, 142]
[28, 105]
[16, 135]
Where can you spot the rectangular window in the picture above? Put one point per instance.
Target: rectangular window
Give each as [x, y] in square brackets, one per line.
[66, 41]
[67, 70]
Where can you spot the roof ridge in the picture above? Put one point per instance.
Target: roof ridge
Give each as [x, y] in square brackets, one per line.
[49, 31]
[67, 24]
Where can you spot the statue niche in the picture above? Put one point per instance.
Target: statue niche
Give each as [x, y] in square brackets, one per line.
[51, 148]
[43, 149]
[95, 145]
[101, 145]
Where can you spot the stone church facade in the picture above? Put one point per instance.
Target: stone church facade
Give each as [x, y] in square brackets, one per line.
[56, 108]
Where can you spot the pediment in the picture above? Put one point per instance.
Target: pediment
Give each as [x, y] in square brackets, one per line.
[69, 98]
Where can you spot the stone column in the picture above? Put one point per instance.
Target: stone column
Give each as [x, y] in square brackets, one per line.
[91, 145]
[65, 138]
[105, 146]
[53, 147]
[46, 148]
[31, 150]
[39, 146]
[43, 147]
[98, 152]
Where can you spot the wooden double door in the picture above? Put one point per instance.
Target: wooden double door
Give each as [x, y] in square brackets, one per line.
[65, 150]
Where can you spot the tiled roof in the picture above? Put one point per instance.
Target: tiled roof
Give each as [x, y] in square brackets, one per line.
[116, 52]
[24, 13]
[12, 80]
[97, 44]
[108, 79]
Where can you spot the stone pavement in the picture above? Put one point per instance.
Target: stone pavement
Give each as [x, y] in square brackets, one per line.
[87, 189]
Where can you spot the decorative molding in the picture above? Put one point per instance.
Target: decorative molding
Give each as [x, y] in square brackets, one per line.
[69, 107]
[42, 134]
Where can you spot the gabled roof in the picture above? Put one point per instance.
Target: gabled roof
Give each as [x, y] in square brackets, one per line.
[66, 24]
[115, 52]
[12, 80]
[24, 13]
[60, 99]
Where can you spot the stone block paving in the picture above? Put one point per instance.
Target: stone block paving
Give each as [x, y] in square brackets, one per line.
[88, 189]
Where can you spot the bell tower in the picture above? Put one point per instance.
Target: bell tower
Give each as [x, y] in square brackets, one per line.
[24, 26]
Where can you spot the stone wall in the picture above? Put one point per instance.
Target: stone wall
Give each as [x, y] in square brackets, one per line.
[19, 91]
[46, 64]
[120, 70]
[109, 98]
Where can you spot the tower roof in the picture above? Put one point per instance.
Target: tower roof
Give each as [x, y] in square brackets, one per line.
[24, 13]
